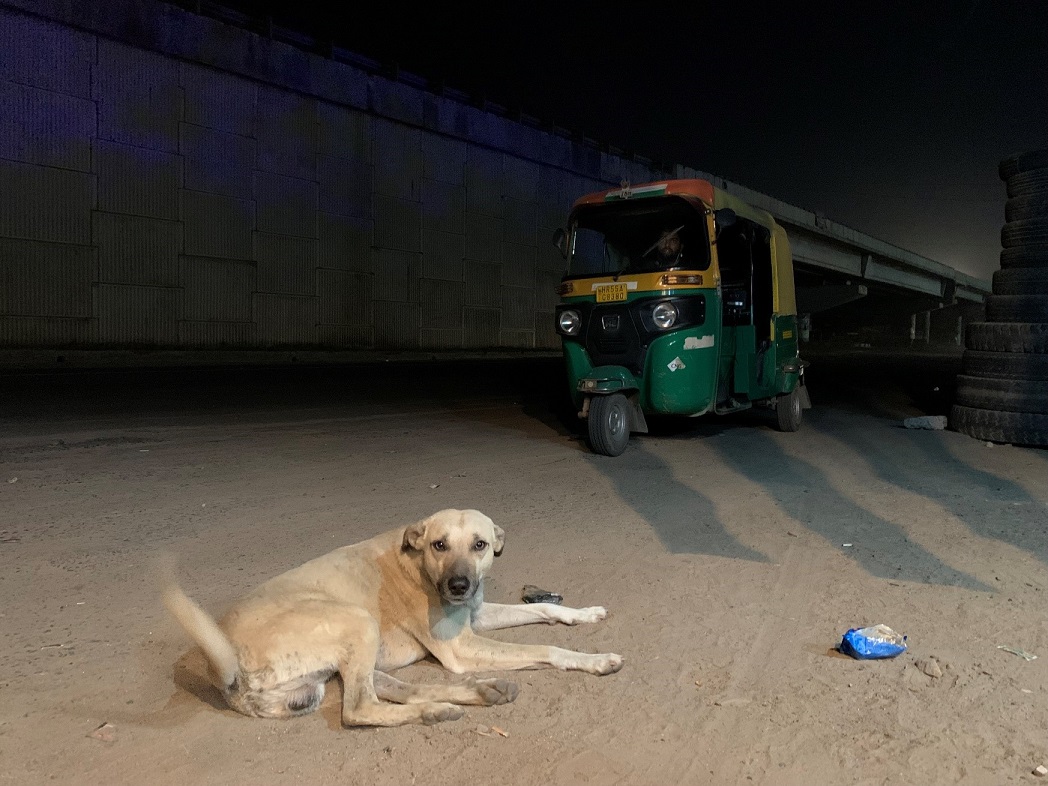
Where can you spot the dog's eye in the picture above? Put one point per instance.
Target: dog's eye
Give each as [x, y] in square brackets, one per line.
[440, 545]
[480, 545]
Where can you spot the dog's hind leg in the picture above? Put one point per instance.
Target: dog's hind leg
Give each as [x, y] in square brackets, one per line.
[360, 702]
[483, 692]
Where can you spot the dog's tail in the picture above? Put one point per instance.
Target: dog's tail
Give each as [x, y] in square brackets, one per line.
[201, 627]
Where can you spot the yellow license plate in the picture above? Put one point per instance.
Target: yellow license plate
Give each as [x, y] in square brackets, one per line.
[611, 293]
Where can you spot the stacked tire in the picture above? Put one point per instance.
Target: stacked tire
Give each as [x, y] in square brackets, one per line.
[1002, 394]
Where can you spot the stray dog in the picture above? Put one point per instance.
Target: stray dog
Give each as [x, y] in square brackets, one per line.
[366, 609]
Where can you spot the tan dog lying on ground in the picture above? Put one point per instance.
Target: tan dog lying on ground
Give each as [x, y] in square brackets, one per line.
[373, 607]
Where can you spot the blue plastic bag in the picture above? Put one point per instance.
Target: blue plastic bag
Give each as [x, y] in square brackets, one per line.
[876, 641]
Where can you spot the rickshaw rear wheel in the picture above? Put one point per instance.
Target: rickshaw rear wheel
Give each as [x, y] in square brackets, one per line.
[789, 410]
[609, 424]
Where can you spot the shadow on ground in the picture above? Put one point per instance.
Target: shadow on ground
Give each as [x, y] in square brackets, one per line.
[990, 506]
[684, 519]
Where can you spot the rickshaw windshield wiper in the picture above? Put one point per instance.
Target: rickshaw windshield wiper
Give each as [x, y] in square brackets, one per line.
[655, 245]
[625, 263]
[620, 267]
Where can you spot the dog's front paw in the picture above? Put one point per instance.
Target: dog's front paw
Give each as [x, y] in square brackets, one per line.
[496, 691]
[607, 663]
[438, 712]
[589, 614]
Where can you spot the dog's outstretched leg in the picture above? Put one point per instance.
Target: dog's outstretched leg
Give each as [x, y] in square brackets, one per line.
[482, 692]
[494, 616]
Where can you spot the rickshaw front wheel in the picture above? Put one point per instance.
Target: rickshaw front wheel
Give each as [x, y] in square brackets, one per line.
[789, 410]
[609, 424]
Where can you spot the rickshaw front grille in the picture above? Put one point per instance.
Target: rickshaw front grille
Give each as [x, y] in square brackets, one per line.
[612, 338]
[612, 346]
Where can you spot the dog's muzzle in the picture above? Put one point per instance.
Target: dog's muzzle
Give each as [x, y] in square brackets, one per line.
[458, 589]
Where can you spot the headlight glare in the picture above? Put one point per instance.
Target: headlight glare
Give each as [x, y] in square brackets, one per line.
[569, 322]
[664, 315]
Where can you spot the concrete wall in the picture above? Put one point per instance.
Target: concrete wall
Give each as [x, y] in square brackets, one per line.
[210, 188]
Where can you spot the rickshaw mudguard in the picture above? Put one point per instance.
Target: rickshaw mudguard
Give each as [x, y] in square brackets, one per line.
[589, 380]
[604, 379]
[680, 372]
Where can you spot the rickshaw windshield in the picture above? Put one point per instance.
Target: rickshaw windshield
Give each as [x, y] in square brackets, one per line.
[665, 233]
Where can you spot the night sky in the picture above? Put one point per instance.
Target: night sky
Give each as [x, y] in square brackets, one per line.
[890, 119]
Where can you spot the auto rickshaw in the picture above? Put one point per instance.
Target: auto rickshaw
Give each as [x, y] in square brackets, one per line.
[678, 300]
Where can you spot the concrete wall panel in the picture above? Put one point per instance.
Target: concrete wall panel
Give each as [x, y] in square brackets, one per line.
[217, 290]
[45, 279]
[217, 161]
[42, 203]
[138, 316]
[442, 303]
[286, 130]
[481, 328]
[286, 320]
[345, 243]
[216, 225]
[218, 100]
[137, 181]
[286, 264]
[47, 55]
[139, 97]
[43, 127]
[137, 250]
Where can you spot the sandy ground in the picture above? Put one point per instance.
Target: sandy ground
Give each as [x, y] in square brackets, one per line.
[731, 558]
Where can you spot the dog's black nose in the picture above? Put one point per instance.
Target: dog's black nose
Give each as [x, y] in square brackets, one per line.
[459, 585]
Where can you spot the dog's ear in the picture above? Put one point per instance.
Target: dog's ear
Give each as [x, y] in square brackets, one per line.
[500, 539]
[413, 536]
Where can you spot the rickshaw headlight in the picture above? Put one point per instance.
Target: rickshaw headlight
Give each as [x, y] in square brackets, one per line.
[569, 322]
[664, 315]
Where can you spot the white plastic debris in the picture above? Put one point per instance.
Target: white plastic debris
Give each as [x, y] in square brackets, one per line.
[1027, 656]
[106, 733]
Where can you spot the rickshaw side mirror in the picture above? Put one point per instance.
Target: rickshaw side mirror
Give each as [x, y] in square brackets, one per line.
[560, 240]
[724, 218]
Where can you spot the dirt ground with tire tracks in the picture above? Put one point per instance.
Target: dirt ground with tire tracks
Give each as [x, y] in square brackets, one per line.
[730, 556]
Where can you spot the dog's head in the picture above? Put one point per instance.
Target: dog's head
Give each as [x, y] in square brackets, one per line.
[456, 548]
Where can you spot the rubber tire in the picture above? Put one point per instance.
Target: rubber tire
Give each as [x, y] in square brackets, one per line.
[609, 424]
[1025, 256]
[1023, 162]
[1030, 183]
[1008, 337]
[1031, 232]
[1005, 365]
[1006, 395]
[1021, 281]
[1017, 308]
[1018, 428]
[789, 410]
[1022, 208]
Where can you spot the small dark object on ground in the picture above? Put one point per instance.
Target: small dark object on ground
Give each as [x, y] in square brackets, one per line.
[532, 594]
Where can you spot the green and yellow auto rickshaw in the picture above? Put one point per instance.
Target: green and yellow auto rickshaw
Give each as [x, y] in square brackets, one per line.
[678, 300]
